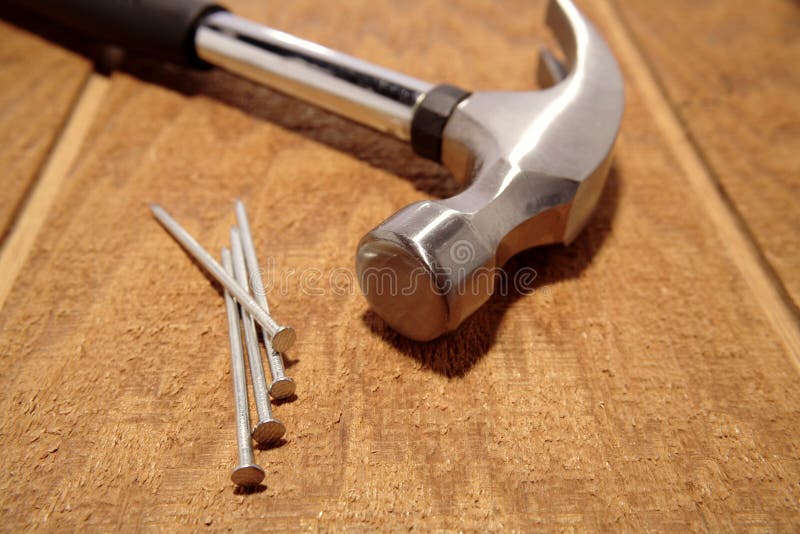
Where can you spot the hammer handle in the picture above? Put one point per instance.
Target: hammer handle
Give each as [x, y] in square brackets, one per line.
[161, 28]
[202, 33]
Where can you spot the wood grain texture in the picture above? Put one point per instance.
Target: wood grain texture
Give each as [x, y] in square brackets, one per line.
[730, 71]
[720, 213]
[638, 386]
[45, 192]
[39, 83]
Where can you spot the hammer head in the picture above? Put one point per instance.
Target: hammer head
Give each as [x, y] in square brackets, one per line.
[536, 163]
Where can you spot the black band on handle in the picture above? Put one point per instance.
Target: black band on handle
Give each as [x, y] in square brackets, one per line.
[161, 28]
[430, 118]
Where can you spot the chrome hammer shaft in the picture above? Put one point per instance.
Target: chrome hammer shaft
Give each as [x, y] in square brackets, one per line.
[366, 93]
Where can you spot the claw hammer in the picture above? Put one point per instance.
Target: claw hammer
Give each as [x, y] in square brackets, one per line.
[533, 163]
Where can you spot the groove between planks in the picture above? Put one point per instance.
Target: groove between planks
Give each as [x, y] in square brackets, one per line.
[19, 243]
[740, 247]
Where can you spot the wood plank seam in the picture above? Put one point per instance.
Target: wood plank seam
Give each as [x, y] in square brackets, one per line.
[20, 205]
[733, 231]
[44, 191]
[695, 143]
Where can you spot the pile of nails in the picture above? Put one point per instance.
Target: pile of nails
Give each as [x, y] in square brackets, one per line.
[239, 273]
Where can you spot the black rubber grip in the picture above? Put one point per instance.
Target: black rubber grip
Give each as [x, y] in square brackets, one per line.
[431, 117]
[161, 28]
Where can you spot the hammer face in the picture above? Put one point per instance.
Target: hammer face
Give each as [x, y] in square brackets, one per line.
[425, 269]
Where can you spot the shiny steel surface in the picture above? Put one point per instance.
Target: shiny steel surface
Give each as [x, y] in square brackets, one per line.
[247, 473]
[282, 386]
[268, 429]
[282, 336]
[361, 91]
[536, 163]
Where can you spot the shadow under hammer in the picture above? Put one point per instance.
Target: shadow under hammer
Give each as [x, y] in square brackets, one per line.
[525, 274]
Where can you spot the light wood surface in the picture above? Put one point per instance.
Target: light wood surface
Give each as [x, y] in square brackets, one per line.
[729, 71]
[646, 382]
[39, 83]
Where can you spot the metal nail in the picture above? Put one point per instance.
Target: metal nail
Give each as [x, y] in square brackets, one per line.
[248, 472]
[282, 337]
[268, 429]
[282, 386]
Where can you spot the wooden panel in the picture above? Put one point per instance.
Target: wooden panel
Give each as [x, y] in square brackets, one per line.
[39, 82]
[640, 385]
[730, 71]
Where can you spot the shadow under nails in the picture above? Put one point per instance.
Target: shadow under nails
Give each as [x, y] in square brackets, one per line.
[285, 400]
[272, 445]
[288, 362]
[249, 490]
